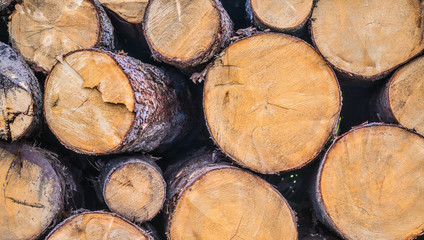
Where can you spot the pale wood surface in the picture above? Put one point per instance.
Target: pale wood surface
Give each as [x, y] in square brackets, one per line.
[130, 10]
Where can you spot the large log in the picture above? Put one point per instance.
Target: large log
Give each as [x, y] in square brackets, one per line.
[186, 33]
[32, 189]
[20, 96]
[43, 30]
[212, 200]
[366, 40]
[401, 100]
[133, 187]
[369, 184]
[97, 102]
[271, 102]
[98, 225]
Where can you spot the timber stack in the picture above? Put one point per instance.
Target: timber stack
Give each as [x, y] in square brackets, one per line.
[211, 119]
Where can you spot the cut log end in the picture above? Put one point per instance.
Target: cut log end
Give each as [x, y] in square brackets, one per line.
[135, 189]
[354, 42]
[186, 33]
[131, 11]
[283, 16]
[264, 110]
[224, 202]
[97, 225]
[41, 31]
[32, 193]
[370, 179]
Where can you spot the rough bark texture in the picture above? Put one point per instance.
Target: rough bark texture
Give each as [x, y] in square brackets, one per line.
[222, 39]
[4, 4]
[144, 183]
[16, 80]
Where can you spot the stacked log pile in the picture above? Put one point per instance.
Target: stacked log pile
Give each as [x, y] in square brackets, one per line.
[210, 119]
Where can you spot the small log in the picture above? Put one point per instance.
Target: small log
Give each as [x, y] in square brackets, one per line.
[43, 30]
[366, 40]
[283, 16]
[211, 200]
[369, 184]
[131, 11]
[98, 225]
[20, 96]
[133, 187]
[264, 110]
[97, 102]
[32, 191]
[186, 33]
[401, 99]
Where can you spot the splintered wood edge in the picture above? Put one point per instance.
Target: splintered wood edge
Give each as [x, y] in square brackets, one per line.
[137, 213]
[128, 107]
[197, 175]
[317, 199]
[97, 215]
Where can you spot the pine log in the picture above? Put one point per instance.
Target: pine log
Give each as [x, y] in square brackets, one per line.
[97, 102]
[98, 225]
[133, 187]
[271, 102]
[32, 190]
[401, 100]
[369, 184]
[43, 30]
[20, 96]
[366, 40]
[288, 16]
[131, 11]
[212, 200]
[186, 33]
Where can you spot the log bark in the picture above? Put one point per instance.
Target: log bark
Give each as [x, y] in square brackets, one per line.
[369, 180]
[98, 225]
[264, 110]
[33, 191]
[97, 102]
[212, 200]
[4, 4]
[186, 33]
[43, 30]
[281, 16]
[20, 97]
[133, 187]
[366, 40]
[400, 101]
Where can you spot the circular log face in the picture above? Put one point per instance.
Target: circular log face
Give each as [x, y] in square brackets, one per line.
[53, 28]
[406, 95]
[31, 195]
[96, 225]
[371, 183]
[230, 203]
[89, 102]
[182, 29]
[281, 14]
[368, 38]
[130, 10]
[271, 102]
[135, 190]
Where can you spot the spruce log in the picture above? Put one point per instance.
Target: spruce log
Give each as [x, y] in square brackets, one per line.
[133, 187]
[98, 102]
[20, 96]
[131, 11]
[369, 184]
[401, 100]
[43, 30]
[212, 200]
[271, 102]
[288, 16]
[32, 190]
[366, 40]
[98, 225]
[186, 33]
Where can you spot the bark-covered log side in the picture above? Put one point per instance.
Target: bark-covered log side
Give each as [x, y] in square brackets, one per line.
[15, 76]
[380, 106]
[106, 39]
[221, 41]
[4, 4]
